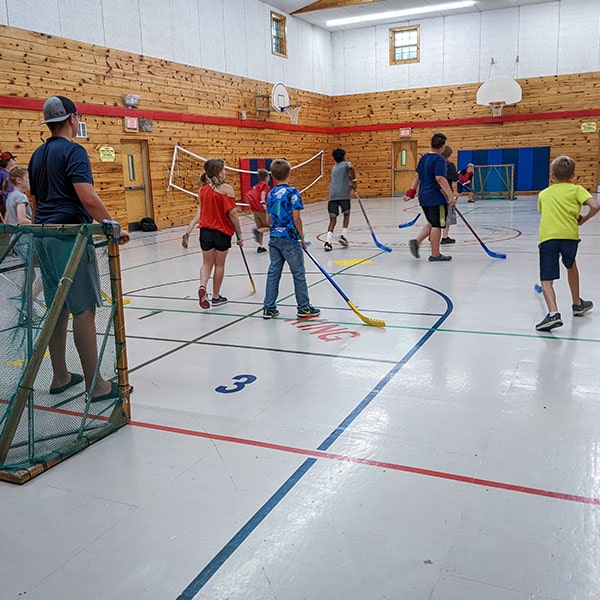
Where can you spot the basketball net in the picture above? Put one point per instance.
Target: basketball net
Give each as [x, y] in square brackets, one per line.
[497, 108]
[293, 112]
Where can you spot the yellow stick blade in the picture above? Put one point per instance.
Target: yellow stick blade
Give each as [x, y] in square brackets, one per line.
[367, 320]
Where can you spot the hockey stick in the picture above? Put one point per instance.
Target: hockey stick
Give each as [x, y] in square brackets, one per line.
[488, 251]
[248, 269]
[377, 243]
[410, 223]
[367, 320]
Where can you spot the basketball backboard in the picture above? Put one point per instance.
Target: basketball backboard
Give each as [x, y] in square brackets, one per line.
[280, 99]
[499, 89]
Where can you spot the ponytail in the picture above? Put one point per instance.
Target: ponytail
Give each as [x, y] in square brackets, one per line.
[14, 174]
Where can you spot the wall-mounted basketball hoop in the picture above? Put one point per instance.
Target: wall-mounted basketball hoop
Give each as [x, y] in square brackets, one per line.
[497, 108]
[280, 101]
[499, 87]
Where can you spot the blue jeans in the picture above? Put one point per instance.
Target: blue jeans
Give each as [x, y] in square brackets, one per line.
[281, 251]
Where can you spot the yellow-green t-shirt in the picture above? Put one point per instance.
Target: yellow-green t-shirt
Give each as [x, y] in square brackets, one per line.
[560, 205]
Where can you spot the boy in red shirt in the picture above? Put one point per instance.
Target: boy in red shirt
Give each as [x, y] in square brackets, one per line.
[257, 198]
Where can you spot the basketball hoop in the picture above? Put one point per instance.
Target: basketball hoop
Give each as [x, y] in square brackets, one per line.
[293, 111]
[497, 108]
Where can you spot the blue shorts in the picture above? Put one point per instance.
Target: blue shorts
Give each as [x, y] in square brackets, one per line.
[213, 239]
[436, 215]
[550, 252]
[53, 253]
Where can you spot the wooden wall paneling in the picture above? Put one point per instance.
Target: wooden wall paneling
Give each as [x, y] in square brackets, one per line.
[36, 66]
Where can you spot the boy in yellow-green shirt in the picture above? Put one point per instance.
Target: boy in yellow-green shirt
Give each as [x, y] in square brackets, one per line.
[560, 205]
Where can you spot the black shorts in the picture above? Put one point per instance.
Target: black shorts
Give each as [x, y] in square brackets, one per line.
[436, 215]
[213, 239]
[550, 252]
[334, 207]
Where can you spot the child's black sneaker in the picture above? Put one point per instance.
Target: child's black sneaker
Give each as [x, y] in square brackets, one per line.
[447, 240]
[440, 258]
[218, 301]
[414, 248]
[261, 249]
[270, 313]
[549, 322]
[583, 307]
[307, 313]
[327, 247]
[343, 241]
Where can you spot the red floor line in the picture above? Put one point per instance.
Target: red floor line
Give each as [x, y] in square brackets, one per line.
[373, 463]
[352, 459]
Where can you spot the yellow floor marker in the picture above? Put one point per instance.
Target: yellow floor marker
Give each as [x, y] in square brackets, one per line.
[109, 299]
[21, 361]
[352, 261]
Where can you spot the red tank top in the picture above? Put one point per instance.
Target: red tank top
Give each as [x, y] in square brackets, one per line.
[214, 207]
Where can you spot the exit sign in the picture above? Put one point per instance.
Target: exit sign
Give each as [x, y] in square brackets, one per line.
[406, 132]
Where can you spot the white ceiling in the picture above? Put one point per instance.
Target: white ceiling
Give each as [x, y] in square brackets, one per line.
[319, 17]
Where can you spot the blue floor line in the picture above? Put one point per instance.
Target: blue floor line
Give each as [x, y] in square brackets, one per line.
[236, 541]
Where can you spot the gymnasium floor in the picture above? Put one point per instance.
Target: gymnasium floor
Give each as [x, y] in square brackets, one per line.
[453, 455]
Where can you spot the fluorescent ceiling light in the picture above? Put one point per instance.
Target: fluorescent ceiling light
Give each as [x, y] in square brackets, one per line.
[394, 14]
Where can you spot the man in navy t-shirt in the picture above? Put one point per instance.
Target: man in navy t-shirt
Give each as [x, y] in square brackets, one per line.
[435, 194]
[61, 182]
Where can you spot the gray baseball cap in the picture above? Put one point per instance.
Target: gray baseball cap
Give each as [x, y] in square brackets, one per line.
[57, 109]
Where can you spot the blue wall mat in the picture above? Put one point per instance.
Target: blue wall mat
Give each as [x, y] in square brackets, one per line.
[510, 156]
[524, 179]
[541, 168]
[463, 159]
[532, 165]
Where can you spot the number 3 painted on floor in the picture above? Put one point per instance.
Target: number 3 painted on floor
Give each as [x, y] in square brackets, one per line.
[241, 382]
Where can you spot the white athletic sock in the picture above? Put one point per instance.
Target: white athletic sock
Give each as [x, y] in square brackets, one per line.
[329, 236]
[344, 231]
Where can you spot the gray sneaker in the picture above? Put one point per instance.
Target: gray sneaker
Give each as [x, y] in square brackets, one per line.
[440, 258]
[414, 248]
[549, 322]
[583, 307]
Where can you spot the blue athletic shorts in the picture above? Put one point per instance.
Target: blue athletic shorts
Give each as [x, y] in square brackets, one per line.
[550, 252]
[213, 239]
[436, 215]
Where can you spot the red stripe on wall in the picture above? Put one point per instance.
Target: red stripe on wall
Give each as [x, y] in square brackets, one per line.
[113, 111]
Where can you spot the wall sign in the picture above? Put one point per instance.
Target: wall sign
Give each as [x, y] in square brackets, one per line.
[107, 154]
[131, 124]
[588, 128]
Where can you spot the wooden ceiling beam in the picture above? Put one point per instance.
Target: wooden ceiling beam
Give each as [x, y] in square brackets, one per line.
[324, 4]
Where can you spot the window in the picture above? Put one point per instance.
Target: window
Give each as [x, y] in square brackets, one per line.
[404, 45]
[278, 35]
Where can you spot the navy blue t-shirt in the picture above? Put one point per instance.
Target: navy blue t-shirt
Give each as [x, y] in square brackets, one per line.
[53, 169]
[431, 165]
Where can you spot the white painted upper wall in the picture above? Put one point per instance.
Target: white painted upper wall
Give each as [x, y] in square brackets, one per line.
[554, 38]
[233, 36]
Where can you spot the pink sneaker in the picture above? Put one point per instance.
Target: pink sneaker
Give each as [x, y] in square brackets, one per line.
[203, 298]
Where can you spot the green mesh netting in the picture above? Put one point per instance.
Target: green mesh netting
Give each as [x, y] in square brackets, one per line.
[42, 269]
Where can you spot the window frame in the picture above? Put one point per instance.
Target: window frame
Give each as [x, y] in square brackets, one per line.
[280, 40]
[393, 32]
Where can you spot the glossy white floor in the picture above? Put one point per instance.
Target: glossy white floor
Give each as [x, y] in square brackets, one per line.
[453, 455]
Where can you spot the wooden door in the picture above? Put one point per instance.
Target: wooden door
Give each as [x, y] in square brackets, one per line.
[598, 171]
[404, 160]
[135, 177]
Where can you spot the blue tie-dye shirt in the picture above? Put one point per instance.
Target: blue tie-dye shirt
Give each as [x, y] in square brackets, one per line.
[282, 201]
